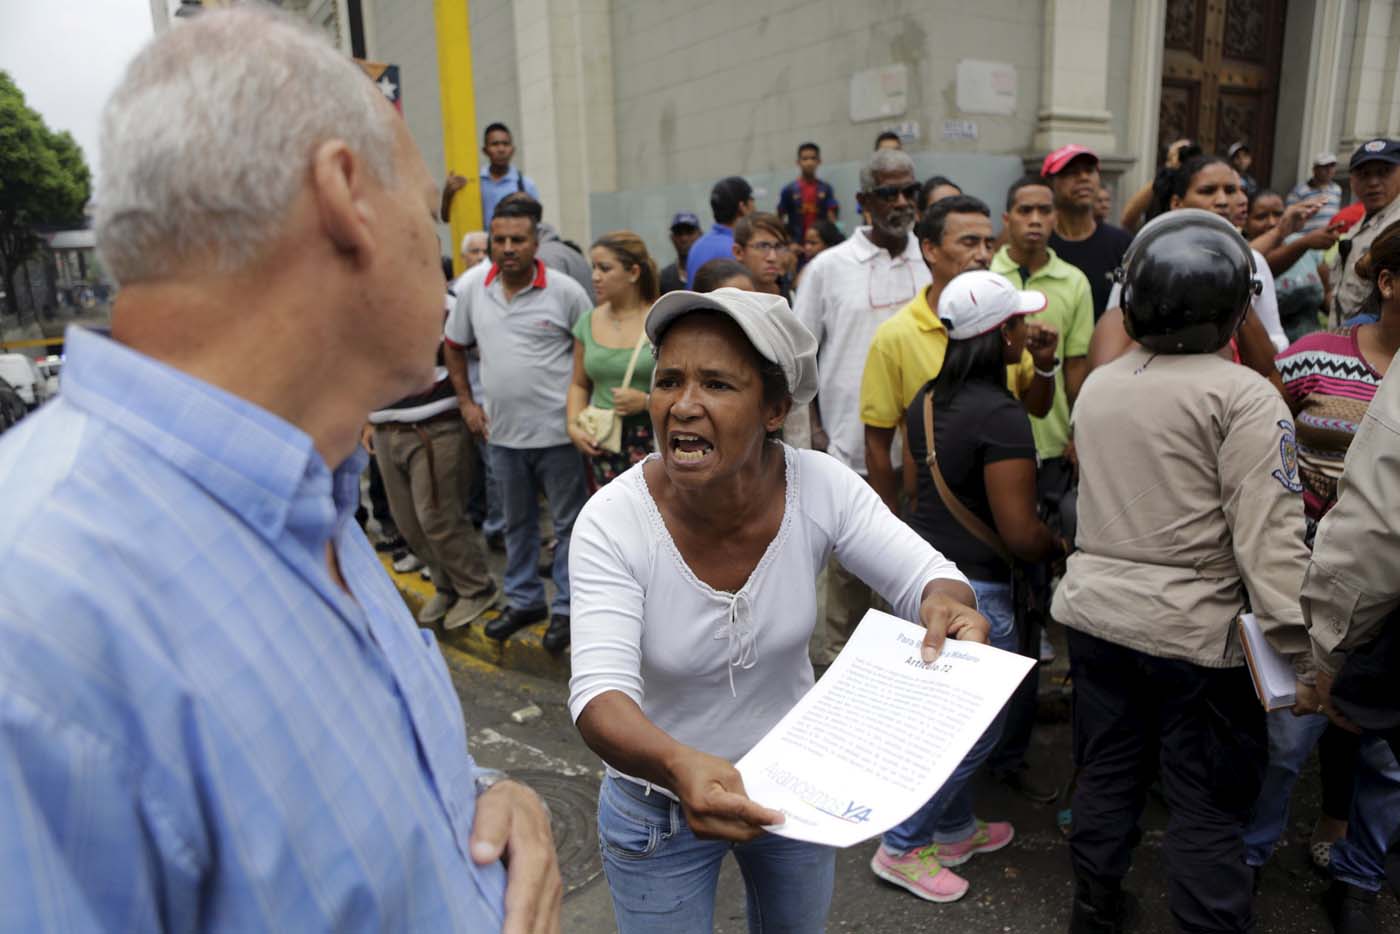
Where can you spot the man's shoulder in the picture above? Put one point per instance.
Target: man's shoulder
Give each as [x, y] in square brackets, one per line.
[1116, 236]
[38, 460]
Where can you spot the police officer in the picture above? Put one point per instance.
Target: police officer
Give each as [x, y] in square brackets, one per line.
[1189, 513]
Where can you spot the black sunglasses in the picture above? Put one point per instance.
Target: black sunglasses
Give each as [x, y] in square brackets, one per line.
[888, 193]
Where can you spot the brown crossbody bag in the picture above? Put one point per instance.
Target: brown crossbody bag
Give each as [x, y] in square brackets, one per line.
[966, 518]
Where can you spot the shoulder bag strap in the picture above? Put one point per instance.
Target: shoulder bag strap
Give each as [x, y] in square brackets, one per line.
[969, 521]
[632, 363]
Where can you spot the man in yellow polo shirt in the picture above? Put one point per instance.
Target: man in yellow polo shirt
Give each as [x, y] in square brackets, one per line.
[955, 235]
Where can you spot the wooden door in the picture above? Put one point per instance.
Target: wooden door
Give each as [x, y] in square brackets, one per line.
[1220, 71]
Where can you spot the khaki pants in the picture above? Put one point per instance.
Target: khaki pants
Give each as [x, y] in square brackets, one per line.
[426, 468]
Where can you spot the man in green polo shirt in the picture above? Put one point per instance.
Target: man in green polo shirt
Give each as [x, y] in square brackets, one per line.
[1029, 263]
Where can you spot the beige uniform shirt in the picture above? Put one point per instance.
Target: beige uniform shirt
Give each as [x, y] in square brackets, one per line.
[1353, 581]
[1350, 291]
[1189, 499]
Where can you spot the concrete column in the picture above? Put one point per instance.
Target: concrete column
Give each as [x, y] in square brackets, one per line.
[1324, 77]
[1368, 84]
[1074, 78]
[1144, 93]
[563, 55]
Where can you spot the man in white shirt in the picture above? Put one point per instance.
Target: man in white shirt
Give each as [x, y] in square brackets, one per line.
[847, 292]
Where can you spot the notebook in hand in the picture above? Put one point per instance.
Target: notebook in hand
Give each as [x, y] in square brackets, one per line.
[1274, 680]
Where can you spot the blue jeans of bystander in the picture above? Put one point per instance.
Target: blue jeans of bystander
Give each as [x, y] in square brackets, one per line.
[524, 473]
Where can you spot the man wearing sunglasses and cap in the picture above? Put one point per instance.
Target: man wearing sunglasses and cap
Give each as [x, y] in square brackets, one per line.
[1375, 180]
[847, 292]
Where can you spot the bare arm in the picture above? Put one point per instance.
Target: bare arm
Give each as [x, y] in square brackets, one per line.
[1076, 370]
[580, 391]
[1257, 351]
[879, 467]
[1282, 257]
[1011, 494]
[456, 359]
[710, 789]
[1110, 340]
[1136, 207]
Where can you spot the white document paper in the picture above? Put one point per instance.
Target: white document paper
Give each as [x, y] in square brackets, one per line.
[1274, 680]
[879, 734]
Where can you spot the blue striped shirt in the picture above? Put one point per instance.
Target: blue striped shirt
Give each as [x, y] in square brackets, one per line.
[199, 730]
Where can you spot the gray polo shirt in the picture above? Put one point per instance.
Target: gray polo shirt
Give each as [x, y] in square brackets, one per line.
[527, 351]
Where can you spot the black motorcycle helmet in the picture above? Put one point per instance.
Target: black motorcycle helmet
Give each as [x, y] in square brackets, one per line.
[1187, 278]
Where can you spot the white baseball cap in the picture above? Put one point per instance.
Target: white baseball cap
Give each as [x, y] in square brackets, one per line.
[1325, 158]
[979, 302]
[770, 325]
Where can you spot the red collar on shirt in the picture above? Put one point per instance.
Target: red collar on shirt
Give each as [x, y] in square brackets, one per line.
[538, 283]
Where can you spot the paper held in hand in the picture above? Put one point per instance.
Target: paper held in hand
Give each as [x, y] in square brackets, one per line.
[879, 734]
[1274, 680]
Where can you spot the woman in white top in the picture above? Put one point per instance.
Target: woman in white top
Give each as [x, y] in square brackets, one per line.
[693, 599]
[1208, 183]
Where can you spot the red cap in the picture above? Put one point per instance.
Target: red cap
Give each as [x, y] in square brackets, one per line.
[1343, 220]
[1061, 157]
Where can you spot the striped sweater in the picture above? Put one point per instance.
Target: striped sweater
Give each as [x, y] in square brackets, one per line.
[1331, 385]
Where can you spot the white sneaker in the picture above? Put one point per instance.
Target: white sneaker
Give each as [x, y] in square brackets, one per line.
[408, 563]
[1047, 651]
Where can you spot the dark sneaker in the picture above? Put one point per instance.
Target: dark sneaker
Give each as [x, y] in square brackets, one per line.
[1027, 785]
[513, 620]
[556, 637]
[1350, 908]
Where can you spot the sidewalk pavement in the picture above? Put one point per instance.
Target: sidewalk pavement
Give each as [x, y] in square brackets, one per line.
[522, 652]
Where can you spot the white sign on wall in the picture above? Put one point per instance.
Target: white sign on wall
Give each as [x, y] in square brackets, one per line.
[986, 87]
[879, 93]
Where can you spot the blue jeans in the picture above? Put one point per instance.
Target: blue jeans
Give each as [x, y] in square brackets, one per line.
[1291, 740]
[1375, 817]
[523, 474]
[494, 522]
[948, 816]
[663, 878]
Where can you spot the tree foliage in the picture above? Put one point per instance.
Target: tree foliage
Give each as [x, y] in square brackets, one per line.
[44, 181]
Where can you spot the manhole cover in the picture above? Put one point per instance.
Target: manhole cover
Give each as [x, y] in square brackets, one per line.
[573, 816]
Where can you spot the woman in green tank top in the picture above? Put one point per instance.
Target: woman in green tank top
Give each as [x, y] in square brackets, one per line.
[608, 341]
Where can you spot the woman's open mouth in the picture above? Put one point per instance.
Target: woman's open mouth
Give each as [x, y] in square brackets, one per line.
[687, 448]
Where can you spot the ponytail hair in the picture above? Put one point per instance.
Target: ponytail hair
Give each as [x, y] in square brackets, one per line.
[631, 251]
[1383, 255]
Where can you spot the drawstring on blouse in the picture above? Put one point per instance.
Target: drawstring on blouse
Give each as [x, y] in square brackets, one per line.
[738, 629]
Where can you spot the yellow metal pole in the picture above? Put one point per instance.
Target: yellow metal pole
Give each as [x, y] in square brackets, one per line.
[454, 53]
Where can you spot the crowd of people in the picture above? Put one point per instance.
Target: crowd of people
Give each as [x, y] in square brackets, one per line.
[230, 722]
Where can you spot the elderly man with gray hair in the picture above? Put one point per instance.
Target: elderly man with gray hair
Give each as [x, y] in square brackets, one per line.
[847, 291]
[216, 713]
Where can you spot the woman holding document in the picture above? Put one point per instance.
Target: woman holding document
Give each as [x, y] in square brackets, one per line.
[693, 599]
[1189, 510]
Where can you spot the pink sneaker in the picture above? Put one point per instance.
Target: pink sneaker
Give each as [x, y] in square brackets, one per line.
[920, 872]
[987, 838]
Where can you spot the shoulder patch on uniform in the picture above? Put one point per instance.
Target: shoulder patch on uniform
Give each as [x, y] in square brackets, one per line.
[1287, 474]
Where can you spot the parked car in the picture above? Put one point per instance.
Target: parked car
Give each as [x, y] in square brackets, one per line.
[12, 407]
[23, 376]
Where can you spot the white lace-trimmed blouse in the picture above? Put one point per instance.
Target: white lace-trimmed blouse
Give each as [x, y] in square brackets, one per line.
[717, 670]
